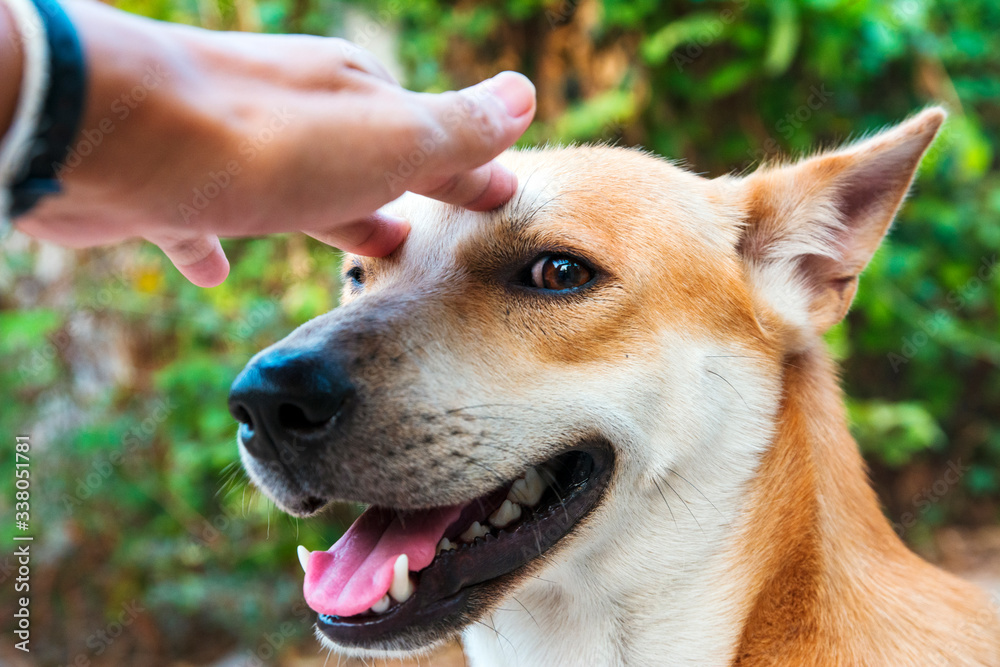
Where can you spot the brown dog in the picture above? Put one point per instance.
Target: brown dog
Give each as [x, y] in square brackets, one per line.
[599, 426]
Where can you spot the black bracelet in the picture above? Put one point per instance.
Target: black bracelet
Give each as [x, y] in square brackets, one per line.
[62, 111]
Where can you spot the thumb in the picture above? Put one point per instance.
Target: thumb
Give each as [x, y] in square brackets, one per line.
[200, 259]
[473, 126]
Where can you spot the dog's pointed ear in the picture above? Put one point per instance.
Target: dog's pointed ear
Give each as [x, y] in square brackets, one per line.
[811, 227]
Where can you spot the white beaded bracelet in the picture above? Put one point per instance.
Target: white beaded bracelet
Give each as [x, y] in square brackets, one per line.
[16, 144]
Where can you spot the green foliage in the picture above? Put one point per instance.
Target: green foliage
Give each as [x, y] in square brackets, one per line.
[894, 432]
[135, 478]
[120, 372]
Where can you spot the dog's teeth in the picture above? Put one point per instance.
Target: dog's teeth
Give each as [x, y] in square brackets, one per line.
[508, 513]
[303, 556]
[518, 491]
[382, 605]
[527, 490]
[401, 588]
[475, 530]
[445, 545]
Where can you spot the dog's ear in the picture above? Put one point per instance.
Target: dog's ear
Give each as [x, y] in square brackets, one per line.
[811, 227]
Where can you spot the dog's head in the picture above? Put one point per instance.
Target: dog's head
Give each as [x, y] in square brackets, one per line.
[508, 389]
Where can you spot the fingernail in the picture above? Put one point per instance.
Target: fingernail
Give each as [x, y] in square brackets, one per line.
[515, 91]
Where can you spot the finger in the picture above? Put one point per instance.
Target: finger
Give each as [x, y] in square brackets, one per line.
[473, 126]
[481, 189]
[374, 236]
[366, 61]
[200, 259]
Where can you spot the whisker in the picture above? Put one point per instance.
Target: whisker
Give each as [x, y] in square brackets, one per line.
[684, 479]
[499, 635]
[731, 386]
[698, 523]
[473, 460]
[784, 362]
[672, 517]
[526, 611]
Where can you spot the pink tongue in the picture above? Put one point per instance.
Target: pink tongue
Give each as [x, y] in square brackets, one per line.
[357, 571]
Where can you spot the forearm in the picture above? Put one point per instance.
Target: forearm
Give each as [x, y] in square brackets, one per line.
[11, 65]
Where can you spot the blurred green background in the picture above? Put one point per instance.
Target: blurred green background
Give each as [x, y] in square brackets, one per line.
[119, 369]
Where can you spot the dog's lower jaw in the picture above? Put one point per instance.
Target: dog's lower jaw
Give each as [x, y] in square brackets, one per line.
[653, 591]
[645, 604]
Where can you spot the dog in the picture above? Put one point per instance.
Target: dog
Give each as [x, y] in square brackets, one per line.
[599, 427]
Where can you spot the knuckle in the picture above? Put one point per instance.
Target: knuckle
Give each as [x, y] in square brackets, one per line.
[471, 114]
[446, 189]
[188, 251]
[480, 118]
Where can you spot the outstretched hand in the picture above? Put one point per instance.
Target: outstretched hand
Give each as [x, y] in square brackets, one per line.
[190, 135]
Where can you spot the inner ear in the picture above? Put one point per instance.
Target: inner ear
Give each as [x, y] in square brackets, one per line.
[831, 289]
[812, 227]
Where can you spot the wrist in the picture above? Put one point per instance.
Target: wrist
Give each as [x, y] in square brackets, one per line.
[11, 68]
[136, 126]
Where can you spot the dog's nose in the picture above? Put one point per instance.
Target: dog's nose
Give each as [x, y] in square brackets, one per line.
[284, 400]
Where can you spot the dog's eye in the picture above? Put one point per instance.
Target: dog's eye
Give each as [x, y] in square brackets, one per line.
[559, 272]
[356, 275]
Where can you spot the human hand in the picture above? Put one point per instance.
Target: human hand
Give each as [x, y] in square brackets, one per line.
[190, 135]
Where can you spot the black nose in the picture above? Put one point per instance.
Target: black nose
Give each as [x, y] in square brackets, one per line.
[285, 399]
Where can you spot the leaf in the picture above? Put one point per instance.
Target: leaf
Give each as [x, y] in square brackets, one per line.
[784, 40]
[894, 431]
[730, 78]
[702, 29]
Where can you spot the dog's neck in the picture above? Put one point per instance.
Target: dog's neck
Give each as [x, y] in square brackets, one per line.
[742, 569]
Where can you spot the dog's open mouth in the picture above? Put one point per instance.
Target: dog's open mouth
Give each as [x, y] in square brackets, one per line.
[393, 570]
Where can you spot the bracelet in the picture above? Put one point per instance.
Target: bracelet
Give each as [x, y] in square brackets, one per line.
[50, 106]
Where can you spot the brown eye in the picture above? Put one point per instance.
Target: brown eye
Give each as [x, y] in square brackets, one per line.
[557, 273]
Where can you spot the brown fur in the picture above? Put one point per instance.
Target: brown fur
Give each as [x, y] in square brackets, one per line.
[832, 583]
